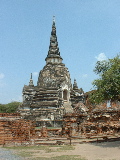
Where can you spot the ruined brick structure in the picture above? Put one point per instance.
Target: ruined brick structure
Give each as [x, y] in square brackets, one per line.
[54, 94]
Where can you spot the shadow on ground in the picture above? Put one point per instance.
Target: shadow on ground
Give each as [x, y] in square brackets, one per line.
[107, 144]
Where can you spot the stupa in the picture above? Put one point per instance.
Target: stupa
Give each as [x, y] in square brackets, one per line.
[54, 94]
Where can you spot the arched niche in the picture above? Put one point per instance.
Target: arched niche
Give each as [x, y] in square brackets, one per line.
[65, 95]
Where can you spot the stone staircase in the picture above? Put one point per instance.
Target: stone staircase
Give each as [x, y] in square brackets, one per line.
[68, 107]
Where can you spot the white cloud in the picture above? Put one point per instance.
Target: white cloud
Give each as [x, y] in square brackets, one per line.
[35, 74]
[101, 57]
[2, 75]
[84, 75]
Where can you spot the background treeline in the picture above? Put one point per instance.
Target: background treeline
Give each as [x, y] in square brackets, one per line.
[9, 108]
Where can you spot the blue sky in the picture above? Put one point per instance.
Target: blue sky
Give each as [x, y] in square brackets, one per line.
[87, 31]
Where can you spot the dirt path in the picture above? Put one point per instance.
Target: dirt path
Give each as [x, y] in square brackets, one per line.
[93, 151]
[102, 151]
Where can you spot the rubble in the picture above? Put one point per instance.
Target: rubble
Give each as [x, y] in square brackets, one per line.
[104, 122]
[101, 124]
[13, 129]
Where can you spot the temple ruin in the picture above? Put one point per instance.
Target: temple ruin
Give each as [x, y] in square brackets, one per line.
[54, 94]
[62, 111]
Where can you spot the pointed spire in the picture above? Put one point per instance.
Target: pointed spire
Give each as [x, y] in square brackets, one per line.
[31, 76]
[75, 84]
[53, 20]
[31, 81]
[53, 53]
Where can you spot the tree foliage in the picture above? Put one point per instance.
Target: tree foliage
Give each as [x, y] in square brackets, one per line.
[107, 87]
[9, 108]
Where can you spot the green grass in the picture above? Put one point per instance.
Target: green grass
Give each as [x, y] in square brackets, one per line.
[24, 154]
[63, 157]
[28, 151]
[42, 147]
[65, 147]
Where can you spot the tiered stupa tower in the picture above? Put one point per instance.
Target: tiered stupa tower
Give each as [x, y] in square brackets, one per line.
[54, 83]
[52, 95]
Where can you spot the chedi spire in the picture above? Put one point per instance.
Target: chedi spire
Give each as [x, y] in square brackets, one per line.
[53, 53]
[75, 86]
[31, 81]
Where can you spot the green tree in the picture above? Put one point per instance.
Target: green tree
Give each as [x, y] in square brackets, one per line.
[107, 87]
[10, 107]
[2, 108]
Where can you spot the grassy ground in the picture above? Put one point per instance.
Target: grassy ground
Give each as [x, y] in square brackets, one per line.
[63, 157]
[32, 152]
